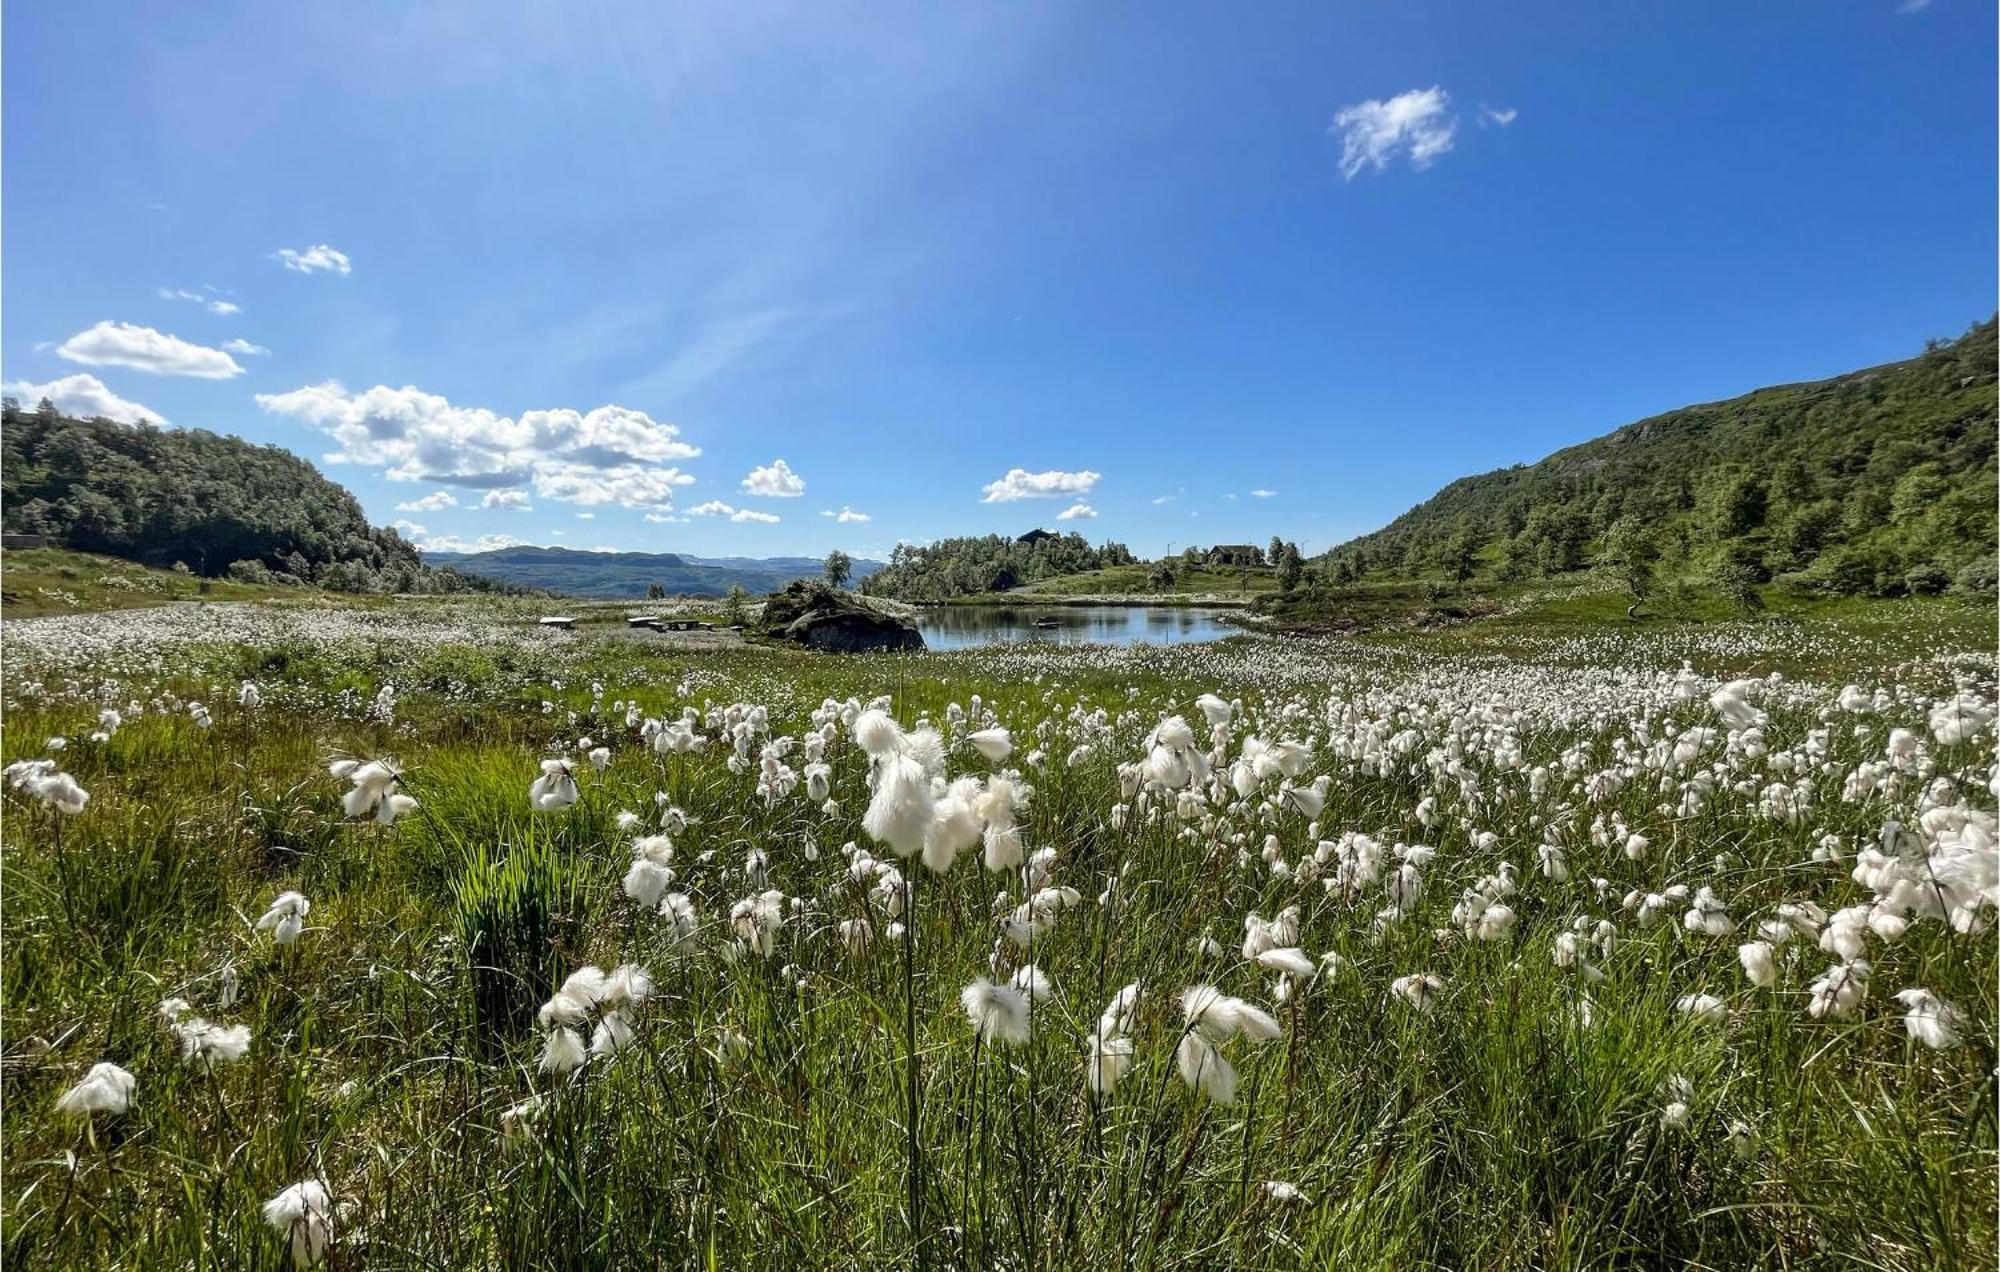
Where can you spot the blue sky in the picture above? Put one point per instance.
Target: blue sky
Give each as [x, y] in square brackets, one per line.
[590, 270]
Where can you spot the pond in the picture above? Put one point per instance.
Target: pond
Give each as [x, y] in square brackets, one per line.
[968, 626]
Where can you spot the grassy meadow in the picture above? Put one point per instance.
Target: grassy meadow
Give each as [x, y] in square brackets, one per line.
[1473, 908]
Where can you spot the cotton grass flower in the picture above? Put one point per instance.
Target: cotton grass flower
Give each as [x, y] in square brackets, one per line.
[995, 744]
[1704, 1009]
[1107, 1059]
[303, 1215]
[105, 1089]
[1929, 1019]
[1204, 1069]
[286, 919]
[374, 790]
[1760, 963]
[999, 1013]
[555, 789]
[1419, 989]
[209, 1044]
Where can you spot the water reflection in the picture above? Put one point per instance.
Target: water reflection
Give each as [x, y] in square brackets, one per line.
[966, 626]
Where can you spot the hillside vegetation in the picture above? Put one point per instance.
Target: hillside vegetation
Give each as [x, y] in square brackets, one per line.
[988, 563]
[189, 499]
[1880, 482]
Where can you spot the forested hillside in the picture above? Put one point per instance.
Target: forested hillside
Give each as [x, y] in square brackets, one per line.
[988, 563]
[218, 505]
[1878, 482]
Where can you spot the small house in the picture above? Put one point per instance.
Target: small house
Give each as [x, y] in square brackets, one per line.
[1236, 554]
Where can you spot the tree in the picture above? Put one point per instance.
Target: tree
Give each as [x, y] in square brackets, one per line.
[1629, 548]
[839, 568]
[1291, 566]
[734, 605]
[655, 592]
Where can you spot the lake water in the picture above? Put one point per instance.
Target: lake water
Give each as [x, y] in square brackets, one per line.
[967, 626]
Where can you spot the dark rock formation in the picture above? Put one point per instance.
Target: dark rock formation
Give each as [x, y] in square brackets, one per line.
[811, 614]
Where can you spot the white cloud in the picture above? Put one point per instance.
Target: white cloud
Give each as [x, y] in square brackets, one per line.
[452, 543]
[410, 529]
[1161, 501]
[1498, 116]
[1913, 6]
[124, 344]
[1019, 483]
[240, 345]
[507, 500]
[664, 518]
[319, 259]
[83, 397]
[846, 516]
[774, 481]
[1076, 510]
[717, 508]
[611, 455]
[1418, 124]
[214, 304]
[586, 516]
[1263, 494]
[430, 503]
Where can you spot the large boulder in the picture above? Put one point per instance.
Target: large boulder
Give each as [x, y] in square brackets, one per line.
[811, 614]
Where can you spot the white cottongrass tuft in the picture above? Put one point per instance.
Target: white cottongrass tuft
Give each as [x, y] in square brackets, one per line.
[105, 1089]
[303, 1215]
[999, 1013]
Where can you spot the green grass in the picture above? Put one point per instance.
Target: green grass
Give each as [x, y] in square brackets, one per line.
[35, 582]
[759, 1120]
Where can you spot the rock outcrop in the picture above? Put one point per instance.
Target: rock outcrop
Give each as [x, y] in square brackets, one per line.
[811, 614]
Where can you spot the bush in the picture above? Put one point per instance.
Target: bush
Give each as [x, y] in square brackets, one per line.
[1928, 578]
[1979, 578]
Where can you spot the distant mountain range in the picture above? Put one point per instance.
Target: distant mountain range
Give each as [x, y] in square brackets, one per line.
[617, 575]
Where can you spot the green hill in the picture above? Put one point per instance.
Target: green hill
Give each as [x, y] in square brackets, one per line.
[1878, 482]
[218, 506]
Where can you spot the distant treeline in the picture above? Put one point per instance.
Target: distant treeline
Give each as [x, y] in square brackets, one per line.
[218, 506]
[1880, 482]
[989, 563]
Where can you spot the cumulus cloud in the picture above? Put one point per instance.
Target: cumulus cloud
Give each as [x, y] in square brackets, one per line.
[1417, 124]
[1019, 483]
[83, 397]
[664, 518]
[717, 508]
[775, 480]
[507, 500]
[611, 455]
[1161, 501]
[240, 345]
[124, 344]
[409, 529]
[846, 516]
[430, 503]
[318, 259]
[1263, 494]
[1077, 510]
[1497, 116]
